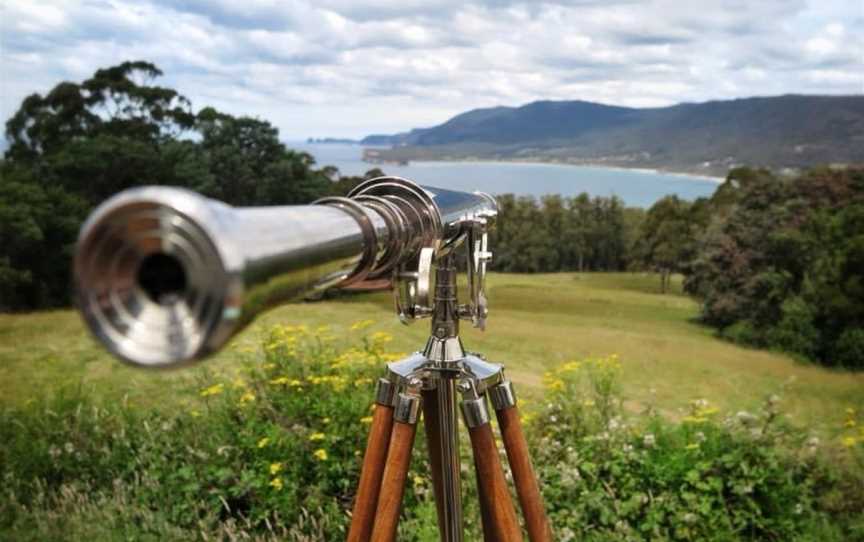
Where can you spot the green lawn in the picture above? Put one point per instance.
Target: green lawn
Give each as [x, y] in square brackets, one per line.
[536, 323]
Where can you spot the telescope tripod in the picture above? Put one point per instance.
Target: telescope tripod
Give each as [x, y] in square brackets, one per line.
[433, 381]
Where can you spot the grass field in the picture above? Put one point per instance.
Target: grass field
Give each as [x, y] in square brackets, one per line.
[536, 323]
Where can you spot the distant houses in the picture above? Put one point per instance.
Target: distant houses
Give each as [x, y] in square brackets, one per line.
[375, 156]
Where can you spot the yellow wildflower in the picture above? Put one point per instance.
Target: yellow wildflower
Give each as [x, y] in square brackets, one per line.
[379, 338]
[320, 454]
[276, 483]
[269, 366]
[325, 421]
[275, 468]
[366, 419]
[418, 480]
[215, 389]
[317, 436]
[247, 397]
[195, 414]
[570, 366]
[362, 381]
[362, 324]
[849, 441]
[280, 381]
[588, 403]
[263, 442]
[850, 423]
[556, 385]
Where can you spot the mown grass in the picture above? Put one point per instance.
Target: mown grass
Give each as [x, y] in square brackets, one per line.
[536, 322]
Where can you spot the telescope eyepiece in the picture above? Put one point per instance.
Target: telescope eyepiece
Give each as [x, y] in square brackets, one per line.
[151, 283]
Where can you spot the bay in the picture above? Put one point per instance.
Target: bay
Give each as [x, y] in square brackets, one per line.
[639, 188]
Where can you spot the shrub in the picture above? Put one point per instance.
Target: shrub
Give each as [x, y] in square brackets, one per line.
[607, 476]
[742, 332]
[849, 349]
[796, 331]
[272, 452]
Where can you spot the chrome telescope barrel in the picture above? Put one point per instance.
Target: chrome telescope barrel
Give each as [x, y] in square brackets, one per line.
[165, 276]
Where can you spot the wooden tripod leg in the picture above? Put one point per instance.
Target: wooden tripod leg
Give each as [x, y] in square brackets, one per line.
[527, 488]
[492, 488]
[369, 487]
[431, 425]
[395, 474]
[485, 516]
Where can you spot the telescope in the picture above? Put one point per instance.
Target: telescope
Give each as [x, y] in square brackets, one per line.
[165, 277]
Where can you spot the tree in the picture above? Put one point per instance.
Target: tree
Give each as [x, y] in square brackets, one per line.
[666, 237]
[781, 264]
[82, 142]
[116, 101]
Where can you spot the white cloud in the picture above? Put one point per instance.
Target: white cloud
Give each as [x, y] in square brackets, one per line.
[352, 67]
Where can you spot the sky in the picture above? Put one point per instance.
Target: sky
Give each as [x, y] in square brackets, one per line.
[349, 68]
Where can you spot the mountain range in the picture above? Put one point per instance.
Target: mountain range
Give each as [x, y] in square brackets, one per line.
[790, 131]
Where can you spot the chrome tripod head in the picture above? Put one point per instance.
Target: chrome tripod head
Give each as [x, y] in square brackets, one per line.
[165, 276]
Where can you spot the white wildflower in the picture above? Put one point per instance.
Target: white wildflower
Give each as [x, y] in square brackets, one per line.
[648, 440]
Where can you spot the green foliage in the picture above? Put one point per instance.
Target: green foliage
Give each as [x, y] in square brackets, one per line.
[667, 237]
[272, 452]
[849, 348]
[563, 234]
[781, 262]
[610, 476]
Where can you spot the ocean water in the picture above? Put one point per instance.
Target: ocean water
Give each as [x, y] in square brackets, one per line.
[635, 187]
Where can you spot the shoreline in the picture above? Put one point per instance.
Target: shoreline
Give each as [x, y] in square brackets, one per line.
[647, 171]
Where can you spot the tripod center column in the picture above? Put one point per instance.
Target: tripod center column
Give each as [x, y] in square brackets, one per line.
[444, 351]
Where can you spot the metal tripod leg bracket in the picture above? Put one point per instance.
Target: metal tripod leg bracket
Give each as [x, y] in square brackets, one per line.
[502, 395]
[474, 409]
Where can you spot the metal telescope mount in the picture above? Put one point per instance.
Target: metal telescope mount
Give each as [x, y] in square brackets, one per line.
[165, 277]
[435, 380]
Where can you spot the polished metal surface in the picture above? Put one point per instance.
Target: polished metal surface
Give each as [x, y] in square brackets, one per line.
[502, 395]
[475, 412]
[385, 392]
[165, 276]
[407, 408]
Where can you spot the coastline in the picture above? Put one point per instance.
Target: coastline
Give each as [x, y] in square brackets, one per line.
[647, 171]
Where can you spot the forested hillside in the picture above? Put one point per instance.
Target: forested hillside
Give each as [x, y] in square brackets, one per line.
[782, 131]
